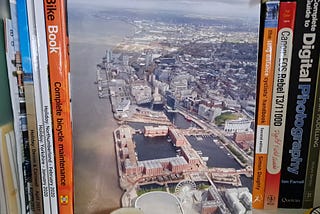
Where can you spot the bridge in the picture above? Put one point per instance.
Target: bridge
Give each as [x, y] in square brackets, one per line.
[195, 132]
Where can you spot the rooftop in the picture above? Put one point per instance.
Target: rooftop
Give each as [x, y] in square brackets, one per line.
[156, 202]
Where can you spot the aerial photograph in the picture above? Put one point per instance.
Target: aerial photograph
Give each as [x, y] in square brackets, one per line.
[163, 104]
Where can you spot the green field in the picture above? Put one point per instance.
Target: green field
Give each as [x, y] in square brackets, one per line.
[220, 120]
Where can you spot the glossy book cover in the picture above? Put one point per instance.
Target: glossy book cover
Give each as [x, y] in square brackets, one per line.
[163, 100]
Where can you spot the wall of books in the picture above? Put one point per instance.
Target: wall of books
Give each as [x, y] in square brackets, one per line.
[36, 138]
[153, 106]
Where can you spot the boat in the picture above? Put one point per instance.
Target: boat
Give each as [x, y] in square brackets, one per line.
[205, 158]
[187, 117]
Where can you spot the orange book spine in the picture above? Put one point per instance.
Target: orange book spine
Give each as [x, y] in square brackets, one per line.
[264, 102]
[279, 105]
[58, 56]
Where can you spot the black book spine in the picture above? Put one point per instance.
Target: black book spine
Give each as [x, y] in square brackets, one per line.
[303, 76]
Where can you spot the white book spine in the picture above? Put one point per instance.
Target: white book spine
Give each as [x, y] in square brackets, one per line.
[14, 93]
[39, 108]
[45, 91]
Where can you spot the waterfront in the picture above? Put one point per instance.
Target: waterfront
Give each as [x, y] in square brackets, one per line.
[158, 147]
[96, 180]
[180, 121]
[153, 148]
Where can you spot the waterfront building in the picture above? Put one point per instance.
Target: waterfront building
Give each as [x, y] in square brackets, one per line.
[152, 167]
[153, 131]
[132, 166]
[155, 167]
[178, 164]
[191, 156]
[123, 106]
[188, 103]
[171, 100]
[178, 139]
[240, 125]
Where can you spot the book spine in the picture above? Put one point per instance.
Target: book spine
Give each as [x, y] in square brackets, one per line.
[35, 132]
[303, 76]
[264, 102]
[41, 82]
[33, 103]
[279, 102]
[312, 162]
[57, 45]
[14, 92]
[45, 92]
[23, 148]
[10, 56]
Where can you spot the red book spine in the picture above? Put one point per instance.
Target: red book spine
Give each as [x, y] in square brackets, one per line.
[58, 56]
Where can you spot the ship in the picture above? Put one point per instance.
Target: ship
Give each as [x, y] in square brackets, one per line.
[205, 158]
[187, 117]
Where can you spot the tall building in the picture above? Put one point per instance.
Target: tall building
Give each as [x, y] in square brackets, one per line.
[171, 100]
[109, 56]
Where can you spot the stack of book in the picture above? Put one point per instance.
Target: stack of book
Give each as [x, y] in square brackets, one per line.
[288, 112]
[36, 161]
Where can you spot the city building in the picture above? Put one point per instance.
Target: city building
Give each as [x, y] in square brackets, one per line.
[232, 105]
[171, 100]
[240, 125]
[191, 156]
[245, 140]
[123, 106]
[154, 131]
[212, 203]
[178, 139]
[162, 86]
[239, 200]
[178, 84]
[209, 113]
[141, 91]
